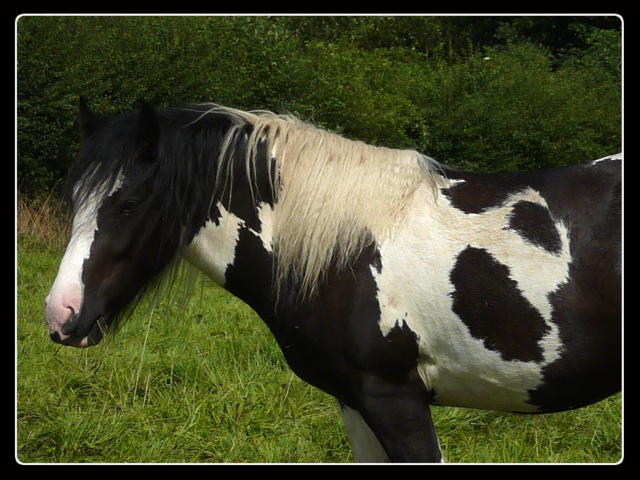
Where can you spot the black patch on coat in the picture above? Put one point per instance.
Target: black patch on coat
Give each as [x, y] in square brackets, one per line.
[481, 191]
[588, 307]
[250, 188]
[333, 340]
[249, 277]
[590, 366]
[533, 222]
[493, 308]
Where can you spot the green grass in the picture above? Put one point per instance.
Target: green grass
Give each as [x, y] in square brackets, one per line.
[204, 381]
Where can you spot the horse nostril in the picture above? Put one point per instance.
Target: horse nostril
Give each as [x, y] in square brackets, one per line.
[68, 328]
[71, 325]
[73, 311]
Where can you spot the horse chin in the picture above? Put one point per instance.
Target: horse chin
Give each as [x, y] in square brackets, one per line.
[69, 336]
[95, 336]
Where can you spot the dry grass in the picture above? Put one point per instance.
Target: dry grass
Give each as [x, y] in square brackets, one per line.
[41, 220]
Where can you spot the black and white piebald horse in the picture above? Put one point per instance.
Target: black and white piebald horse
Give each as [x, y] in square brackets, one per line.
[388, 280]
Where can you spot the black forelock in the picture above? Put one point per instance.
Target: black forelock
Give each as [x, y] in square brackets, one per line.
[179, 178]
[177, 182]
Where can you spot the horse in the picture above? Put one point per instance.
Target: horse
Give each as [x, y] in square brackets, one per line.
[390, 281]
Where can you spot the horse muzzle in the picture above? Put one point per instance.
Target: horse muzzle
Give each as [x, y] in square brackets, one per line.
[75, 329]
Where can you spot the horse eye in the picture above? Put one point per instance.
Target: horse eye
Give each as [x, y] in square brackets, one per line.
[129, 207]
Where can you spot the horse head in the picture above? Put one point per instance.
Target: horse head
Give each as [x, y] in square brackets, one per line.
[116, 245]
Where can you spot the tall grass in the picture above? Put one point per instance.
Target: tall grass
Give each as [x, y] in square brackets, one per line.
[203, 382]
[41, 220]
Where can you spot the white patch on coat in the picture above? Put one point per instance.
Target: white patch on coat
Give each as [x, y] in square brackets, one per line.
[265, 214]
[617, 156]
[67, 292]
[364, 444]
[213, 249]
[415, 287]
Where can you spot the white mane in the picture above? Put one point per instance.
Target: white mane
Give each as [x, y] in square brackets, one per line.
[334, 195]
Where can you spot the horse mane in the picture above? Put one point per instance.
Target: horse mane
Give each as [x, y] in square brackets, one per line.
[335, 196]
[332, 196]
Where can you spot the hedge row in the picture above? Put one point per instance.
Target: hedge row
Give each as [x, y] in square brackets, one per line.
[405, 82]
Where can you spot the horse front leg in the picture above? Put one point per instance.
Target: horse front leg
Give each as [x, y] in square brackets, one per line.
[400, 418]
[365, 446]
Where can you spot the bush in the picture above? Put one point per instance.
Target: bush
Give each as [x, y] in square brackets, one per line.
[399, 82]
[507, 109]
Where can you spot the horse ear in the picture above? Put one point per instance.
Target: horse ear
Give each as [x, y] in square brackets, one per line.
[88, 120]
[148, 129]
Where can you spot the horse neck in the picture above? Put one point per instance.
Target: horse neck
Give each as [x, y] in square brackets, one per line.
[234, 249]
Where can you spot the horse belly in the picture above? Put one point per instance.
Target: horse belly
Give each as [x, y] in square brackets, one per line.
[463, 370]
[486, 385]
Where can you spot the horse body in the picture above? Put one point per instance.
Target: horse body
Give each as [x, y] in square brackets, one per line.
[394, 284]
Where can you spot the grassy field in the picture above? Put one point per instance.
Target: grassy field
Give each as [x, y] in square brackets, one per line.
[203, 381]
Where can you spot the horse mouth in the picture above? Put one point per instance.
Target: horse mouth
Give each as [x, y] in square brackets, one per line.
[72, 334]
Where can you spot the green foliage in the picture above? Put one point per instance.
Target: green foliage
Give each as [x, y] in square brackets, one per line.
[483, 93]
[507, 109]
